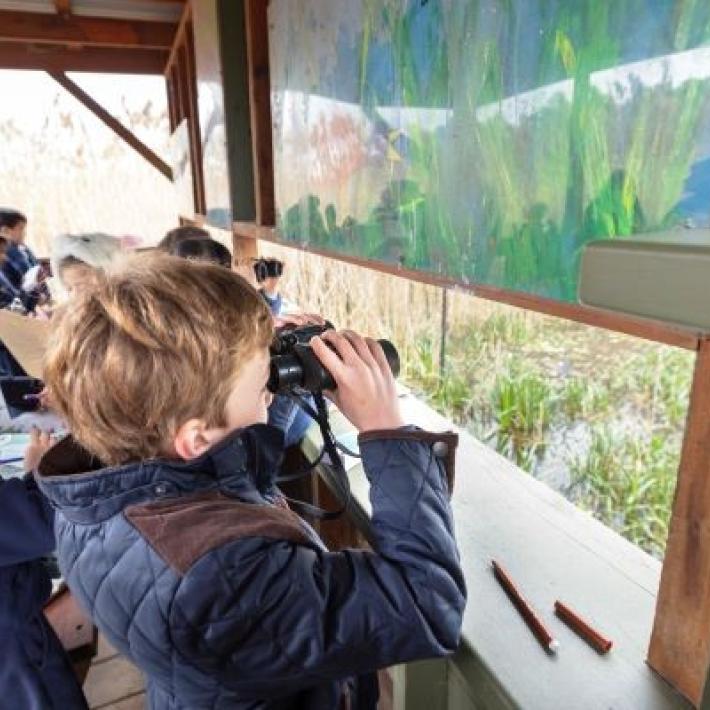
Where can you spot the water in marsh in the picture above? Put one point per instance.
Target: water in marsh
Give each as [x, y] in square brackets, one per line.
[597, 416]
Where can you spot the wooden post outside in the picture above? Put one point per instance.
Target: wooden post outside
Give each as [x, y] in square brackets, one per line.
[257, 36]
[680, 642]
[198, 178]
[244, 250]
[444, 331]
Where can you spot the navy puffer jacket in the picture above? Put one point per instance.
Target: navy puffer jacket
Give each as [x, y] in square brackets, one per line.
[227, 599]
[35, 673]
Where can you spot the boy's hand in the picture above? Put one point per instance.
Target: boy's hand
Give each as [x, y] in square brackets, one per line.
[40, 443]
[366, 392]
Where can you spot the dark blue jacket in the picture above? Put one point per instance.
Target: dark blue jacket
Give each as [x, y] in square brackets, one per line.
[18, 261]
[34, 671]
[227, 599]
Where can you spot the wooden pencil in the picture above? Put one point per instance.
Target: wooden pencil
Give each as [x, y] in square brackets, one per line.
[582, 628]
[546, 639]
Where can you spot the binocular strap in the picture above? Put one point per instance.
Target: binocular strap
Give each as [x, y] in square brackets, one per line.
[330, 447]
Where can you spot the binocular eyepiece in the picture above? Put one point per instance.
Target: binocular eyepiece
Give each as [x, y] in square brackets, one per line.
[294, 366]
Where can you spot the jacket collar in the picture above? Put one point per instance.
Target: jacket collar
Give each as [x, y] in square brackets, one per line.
[243, 465]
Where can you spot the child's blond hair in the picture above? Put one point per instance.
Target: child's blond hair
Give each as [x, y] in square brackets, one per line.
[156, 343]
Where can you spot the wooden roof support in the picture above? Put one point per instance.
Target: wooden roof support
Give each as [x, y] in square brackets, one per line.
[63, 7]
[116, 126]
[680, 643]
[257, 34]
[72, 30]
[51, 58]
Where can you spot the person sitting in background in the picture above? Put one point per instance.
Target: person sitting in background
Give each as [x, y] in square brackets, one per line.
[268, 274]
[34, 671]
[284, 413]
[202, 249]
[16, 300]
[179, 234]
[19, 260]
[78, 260]
[10, 297]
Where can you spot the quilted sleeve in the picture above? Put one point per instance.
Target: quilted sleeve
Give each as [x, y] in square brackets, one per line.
[270, 616]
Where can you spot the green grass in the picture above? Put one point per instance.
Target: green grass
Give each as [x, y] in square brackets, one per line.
[523, 406]
[582, 397]
[628, 483]
[625, 400]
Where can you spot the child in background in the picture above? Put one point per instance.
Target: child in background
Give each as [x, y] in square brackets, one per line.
[202, 249]
[78, 260]
[268, 274]
[35, 673]
[172, 238]
[14, 299]
[20, 260]
[9, 295]
[284, 413]
[179, 543]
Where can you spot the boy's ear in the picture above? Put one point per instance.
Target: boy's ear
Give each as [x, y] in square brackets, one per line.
[193, 438]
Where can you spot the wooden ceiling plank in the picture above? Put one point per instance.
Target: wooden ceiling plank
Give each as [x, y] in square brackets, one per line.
[38, 28]
[90, 59]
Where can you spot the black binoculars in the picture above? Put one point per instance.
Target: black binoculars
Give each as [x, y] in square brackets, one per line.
[295, 367]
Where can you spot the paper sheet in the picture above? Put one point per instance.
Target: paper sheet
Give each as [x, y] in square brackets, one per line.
[12, 447]
[26, 338]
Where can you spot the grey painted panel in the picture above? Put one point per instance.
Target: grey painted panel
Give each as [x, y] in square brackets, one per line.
[664, 277]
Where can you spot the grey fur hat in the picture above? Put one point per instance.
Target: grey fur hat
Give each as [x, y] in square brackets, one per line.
[96, 249]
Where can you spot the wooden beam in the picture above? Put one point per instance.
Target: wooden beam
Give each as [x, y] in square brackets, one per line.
[116, 126]
[244, 249]
[72, 30]
[198, 179]
[680, 642]
[63, 7]
[257, 32]
[179, 36]
[596, 317]
[62, 59]
[172, 107]
[638, 327]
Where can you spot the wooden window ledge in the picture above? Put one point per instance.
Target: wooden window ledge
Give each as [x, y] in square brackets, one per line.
[553, 551]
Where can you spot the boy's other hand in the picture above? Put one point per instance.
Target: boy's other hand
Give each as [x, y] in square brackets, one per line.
[40, 443]
[366, 392]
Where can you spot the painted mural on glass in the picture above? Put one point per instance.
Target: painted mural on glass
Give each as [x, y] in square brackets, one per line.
[489, 140]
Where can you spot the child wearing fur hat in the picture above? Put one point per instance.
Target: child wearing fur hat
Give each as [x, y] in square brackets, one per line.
[79, 259]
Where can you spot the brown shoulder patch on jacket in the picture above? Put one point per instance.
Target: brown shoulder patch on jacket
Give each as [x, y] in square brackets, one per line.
[181, 530]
